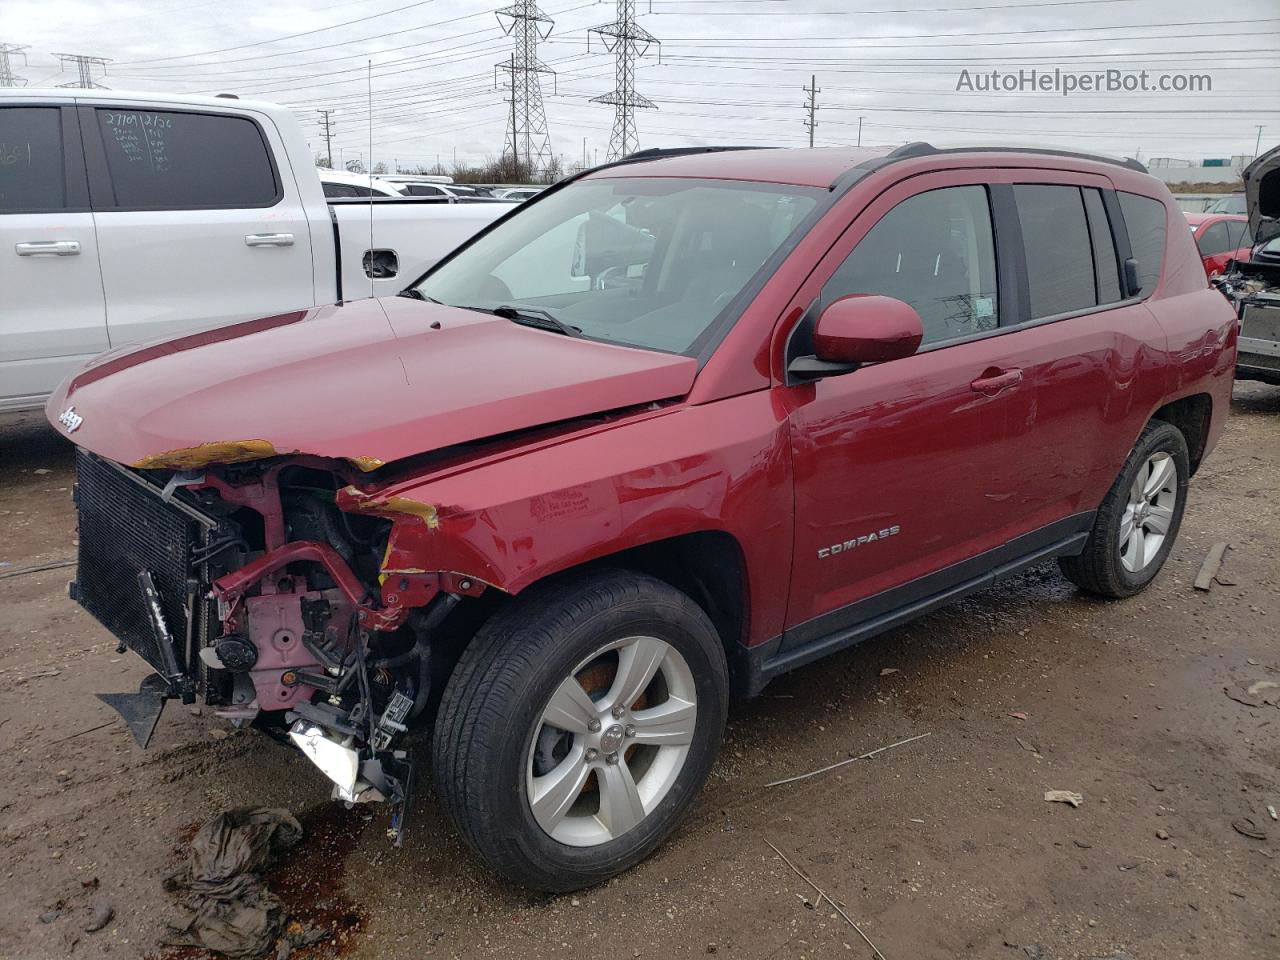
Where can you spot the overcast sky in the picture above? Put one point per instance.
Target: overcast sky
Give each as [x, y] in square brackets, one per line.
[731, 71]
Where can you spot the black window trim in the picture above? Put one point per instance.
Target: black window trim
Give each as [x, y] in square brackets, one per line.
[101, 187]
[75, 186]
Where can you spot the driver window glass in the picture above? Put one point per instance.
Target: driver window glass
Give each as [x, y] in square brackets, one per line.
[934, 251]
[1214, 240]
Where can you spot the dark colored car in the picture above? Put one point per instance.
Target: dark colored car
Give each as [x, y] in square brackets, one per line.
[668, 430]
[1234, 204]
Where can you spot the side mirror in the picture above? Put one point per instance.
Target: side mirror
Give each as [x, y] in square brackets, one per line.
[859, 329]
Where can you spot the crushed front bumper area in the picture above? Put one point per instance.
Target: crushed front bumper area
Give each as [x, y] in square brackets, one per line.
[285, 635]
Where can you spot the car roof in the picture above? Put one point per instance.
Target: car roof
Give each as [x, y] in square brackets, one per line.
[824, 166]
[67, 94]
[1199, 219]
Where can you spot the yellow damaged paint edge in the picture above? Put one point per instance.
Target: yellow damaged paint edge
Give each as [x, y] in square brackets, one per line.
[366, 464]
[217, 451]
[398, 505]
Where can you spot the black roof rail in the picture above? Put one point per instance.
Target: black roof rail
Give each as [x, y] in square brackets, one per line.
[657, 153]
[922, 149]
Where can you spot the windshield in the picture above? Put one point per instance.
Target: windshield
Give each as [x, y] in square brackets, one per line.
[649, 262]
[1232, 204]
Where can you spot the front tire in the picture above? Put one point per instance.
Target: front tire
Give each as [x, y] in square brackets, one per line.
[1138, 521]
[578, 727]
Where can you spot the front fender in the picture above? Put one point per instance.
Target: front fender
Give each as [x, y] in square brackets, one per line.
[723, 466]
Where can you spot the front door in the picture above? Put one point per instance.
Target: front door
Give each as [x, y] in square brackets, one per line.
[51, 309]
[893, 463]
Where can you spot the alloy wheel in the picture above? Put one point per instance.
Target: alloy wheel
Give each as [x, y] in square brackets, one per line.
[611, 741]
[1144, 525]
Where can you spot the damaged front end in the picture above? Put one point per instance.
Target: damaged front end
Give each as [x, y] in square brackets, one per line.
[246, 586]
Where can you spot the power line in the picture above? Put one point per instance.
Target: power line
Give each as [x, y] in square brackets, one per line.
[7, 77]
[628, 42]
[84, 70]
[527, 135]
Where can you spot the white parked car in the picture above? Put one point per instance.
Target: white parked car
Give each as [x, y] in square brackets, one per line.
[339, 184]
[517, 193]
[133, 217]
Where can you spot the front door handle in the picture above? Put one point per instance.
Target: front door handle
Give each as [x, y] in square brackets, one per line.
[269, 240]
[994, 380]
[48, 248]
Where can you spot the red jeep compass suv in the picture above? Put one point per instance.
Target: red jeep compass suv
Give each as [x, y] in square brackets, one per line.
[665, 431]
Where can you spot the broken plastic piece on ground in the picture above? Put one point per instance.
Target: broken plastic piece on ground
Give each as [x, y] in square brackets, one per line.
[141, 710]
[1064, 796]
[221, 883]
[1259, 693]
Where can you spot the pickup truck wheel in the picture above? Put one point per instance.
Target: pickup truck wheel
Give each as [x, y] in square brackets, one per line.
[578, 727]
[1138, 521]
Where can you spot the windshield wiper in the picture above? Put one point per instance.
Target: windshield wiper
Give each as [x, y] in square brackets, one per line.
[413, 293]
[535, 317]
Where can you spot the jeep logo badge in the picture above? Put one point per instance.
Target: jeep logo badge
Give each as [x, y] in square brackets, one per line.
[70, 419]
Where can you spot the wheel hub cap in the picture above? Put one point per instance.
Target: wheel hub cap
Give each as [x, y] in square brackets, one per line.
[612, 738]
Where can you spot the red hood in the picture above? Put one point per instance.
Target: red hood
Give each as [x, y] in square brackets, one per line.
[371, 382]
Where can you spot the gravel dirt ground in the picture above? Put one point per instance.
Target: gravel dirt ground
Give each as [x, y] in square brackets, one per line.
[941, 848]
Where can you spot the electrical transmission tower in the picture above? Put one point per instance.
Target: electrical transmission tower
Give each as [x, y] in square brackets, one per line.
[628, 42]
[84, 67]
[7, 77]
[528, 145]
[811, 105]
[326, 116]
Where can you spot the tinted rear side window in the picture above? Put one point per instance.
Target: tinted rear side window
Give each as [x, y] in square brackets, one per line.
[1105, 265]
[168, 160]
[1059, 255]
[1145, 220]
[31, 174]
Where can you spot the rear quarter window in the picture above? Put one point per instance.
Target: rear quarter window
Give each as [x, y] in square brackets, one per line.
[31, 169]
[171, 160]
[1145, 219]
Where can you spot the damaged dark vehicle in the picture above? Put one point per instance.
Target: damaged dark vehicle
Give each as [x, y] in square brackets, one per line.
[1253, 286]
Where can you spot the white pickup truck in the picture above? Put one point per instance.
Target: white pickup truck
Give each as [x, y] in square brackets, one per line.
[128, 217]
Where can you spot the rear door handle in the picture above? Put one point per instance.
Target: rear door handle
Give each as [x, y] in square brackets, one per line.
[269, 240]
[48, 248]
[993, 381]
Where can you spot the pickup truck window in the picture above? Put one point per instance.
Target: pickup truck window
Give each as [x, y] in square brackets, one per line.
[1059, 255]
[31, 176]
[172, 160]
[645, 261]
[934, 251]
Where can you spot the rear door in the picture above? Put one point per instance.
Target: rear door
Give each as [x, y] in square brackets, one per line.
[200, 221]
[1091, 354]
[51, 311]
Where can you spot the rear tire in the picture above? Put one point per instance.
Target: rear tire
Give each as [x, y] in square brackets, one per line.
[1138, 521]
[633, 673]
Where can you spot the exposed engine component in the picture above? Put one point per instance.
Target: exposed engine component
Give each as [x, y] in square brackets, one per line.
[235, 654]
[271, 605]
